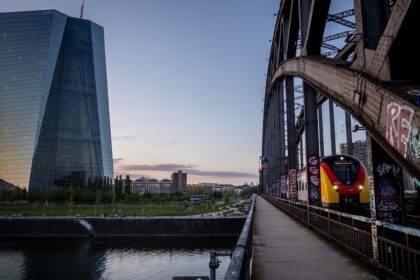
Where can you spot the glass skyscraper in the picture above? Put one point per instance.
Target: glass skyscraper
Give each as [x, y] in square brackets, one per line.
[54, 113]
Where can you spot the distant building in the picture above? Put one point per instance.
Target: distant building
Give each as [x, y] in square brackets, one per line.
[360, 150]
[149, 186]
[213, 186]
[216, 186]
[238, 190]
[198, 198]
[6, 186]
[179, 181]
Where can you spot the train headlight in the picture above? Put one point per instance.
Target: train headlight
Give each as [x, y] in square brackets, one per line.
[360, 187]
[335, 187]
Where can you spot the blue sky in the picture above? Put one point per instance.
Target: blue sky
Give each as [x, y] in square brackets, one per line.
[185, 82]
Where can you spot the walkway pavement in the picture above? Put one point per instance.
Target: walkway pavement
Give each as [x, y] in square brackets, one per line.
[286, 249]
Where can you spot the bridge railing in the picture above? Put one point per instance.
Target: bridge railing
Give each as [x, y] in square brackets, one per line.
[399, 256]
[239, 266]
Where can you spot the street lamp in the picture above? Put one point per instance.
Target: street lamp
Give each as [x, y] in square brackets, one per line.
[357, 128]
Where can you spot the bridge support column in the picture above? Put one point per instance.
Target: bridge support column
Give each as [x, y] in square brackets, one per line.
[301, 152]
[271, 158]
[372, 200]
[312, 146]
[282, 146]
[332, 126]
[389, 187]
[291, 137]
[321, 130]
[348, 134]
[275, 138]
[291, 126]
[375, 23]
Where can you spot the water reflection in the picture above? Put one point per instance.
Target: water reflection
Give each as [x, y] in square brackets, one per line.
[108, 259]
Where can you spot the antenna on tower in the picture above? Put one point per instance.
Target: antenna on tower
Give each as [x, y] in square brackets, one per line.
[81, 9]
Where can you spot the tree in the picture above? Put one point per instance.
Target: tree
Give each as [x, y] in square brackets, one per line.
[116, 184]
[100, 185]
[75, 182]
[24, 194]
[216, 195]
[118, 187]
[127, 185]
[107, 183]
[95, 184]
[227, 199]
[89, 184]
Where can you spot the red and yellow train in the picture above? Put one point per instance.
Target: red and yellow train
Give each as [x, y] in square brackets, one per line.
[344, 183]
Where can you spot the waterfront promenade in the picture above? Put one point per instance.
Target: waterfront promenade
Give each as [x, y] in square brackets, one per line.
[286, 249]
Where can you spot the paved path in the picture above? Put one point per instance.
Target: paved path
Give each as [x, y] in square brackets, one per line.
[286, 249]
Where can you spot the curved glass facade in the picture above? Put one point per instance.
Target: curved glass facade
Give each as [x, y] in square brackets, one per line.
[54, 113]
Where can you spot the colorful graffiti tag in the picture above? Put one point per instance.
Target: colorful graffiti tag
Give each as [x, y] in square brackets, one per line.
[374, 229]
[388, 183]
[283, 190]
[277, 188]
[388, 193]
[398, 126]
[313, 179]
[292, 184]
[414, 144]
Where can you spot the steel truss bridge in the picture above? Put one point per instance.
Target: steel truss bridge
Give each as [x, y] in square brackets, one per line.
[372, 75]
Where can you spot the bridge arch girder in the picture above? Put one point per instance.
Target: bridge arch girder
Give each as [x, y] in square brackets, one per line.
[388, 117]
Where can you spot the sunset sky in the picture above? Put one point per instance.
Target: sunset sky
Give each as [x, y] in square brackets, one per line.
[185, 82]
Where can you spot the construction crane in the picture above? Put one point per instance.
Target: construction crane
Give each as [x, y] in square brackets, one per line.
[81, 9]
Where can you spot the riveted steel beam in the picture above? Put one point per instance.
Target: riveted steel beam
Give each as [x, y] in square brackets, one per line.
[311, 143]
[332, 126]
[291, 129]
[386, 114]
[341, 21]
[321, 131]
[313, 15]
[349, 137]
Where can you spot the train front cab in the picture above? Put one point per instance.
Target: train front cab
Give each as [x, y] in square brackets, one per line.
[344, 183]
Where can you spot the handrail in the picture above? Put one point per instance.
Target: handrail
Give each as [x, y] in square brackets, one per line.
[395, 227]
[396, 255]
[242, 254]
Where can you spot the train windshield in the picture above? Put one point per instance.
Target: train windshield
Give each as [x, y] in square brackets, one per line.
[345, 169]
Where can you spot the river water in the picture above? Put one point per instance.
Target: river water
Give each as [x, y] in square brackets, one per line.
[87, 259]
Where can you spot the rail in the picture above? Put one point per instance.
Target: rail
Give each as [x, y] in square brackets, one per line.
[398, 246]
[239, 266]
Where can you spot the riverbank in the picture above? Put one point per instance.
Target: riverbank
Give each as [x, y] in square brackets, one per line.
[145, 208]
[117, 227]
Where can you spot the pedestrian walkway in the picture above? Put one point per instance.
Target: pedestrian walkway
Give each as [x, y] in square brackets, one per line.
[286, 249]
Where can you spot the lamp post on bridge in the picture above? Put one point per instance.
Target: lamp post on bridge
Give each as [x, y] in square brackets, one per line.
[356, 128]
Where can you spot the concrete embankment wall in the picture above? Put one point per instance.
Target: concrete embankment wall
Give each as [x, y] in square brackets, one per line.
[22, 227]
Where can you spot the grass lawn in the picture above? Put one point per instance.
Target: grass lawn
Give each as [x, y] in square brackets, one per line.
[170, 208]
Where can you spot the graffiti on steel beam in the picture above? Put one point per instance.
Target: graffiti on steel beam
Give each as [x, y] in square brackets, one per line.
[278, 188]
[384, 168]
[283, 190]
[414, 143]
[313, 176]
[374, 229]
[388, 206]
[292, 184]
[398, 126]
